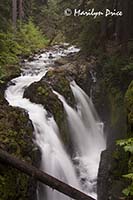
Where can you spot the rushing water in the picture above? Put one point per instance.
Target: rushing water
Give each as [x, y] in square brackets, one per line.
[86, 129]
[87, 135]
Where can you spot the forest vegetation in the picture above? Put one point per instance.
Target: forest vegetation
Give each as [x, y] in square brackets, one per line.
[29, 26]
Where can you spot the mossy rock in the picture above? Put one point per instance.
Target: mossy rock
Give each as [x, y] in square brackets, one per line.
[16, 138]
[15, 130]
[44, 95]
[13, 184]
[67, 69]
[59, 81]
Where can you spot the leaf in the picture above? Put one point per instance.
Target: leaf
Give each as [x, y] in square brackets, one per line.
[126, 191]
[127, 144]
[129, 148]
[129, 176]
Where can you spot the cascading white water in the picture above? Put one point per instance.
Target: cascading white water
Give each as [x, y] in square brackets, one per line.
[55, 160]
[87, 136]
[85, 126]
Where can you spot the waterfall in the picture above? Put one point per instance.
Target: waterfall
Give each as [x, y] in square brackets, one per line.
[55, 160]
[87, 136]
[85, 127]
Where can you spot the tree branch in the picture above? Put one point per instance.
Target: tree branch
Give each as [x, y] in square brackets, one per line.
[42, 177]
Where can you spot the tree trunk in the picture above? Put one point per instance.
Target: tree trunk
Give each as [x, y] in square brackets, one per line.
[42, 177]
[14, 12]
[21, 12]
[126, 27]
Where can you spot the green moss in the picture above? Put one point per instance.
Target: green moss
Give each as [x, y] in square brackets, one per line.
[16, 138]
[43, 91]
[13, 185]
[59, 82]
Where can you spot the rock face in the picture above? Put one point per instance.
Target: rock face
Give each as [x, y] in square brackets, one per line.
[103, 176]
[109, 98]
[110, 185]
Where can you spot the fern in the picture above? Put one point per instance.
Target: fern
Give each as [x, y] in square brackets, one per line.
[127, 144]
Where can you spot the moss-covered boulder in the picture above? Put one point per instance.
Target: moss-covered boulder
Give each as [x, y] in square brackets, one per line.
[15, 131]
[16, 138]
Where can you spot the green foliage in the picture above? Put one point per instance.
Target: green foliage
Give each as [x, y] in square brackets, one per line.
[1, 74]
[9, 48]
[130, 176]
[127, 145]
[27, 39]
[5, 14]
[129, 102]
[51, 16]
[128, 191]
[128, 67]
[30, 38]
[114, 76]
[89, 35]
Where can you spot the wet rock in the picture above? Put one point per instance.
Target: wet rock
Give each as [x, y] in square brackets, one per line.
[74, 68]
[50, 56]
[60, 62]
[111, 168]
[103, 175]
[31, 58]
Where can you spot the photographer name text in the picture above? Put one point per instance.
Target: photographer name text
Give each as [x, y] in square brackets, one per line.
[92, 12]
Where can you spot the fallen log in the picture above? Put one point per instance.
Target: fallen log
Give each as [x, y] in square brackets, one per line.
[39, 175]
